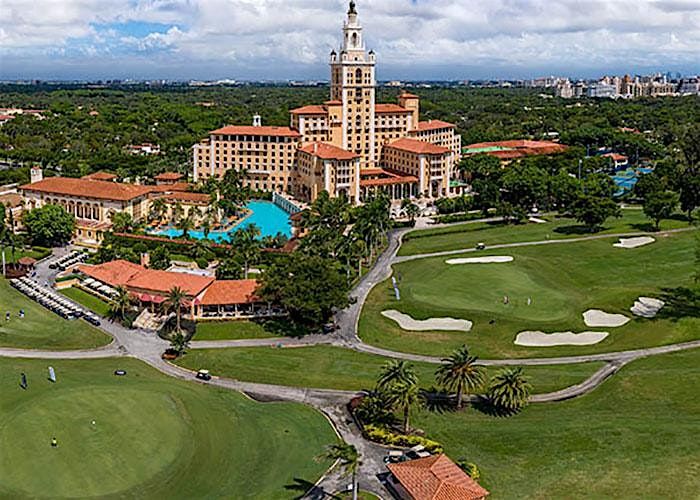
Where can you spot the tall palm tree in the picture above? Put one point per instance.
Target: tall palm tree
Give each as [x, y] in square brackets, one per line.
[246, 246]
[397, 372]
[404, 395]
[510, 389]
[460, 373]
[349, 460]
[185, 224]
[158, 209]
[176, 297]
[120, 304]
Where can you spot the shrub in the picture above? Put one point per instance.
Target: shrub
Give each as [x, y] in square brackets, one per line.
[470, 469]
[384, 436]
[202, 263]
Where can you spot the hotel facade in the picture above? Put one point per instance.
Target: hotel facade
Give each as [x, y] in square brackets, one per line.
[349, 146]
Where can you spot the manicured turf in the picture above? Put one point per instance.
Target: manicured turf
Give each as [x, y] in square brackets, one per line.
[328, 367]
[153, 437]
[40, 328]
[231, 330]
[88, 300]
[563, 280]
[633, 437]
[465, 236]
[37, 253]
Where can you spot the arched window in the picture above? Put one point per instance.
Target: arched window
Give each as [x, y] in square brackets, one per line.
[354, 39]
[358, 75]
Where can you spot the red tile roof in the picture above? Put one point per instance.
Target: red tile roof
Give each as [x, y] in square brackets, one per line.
[523, 147]
[167, 188]
[7, 117]
[198, 198]
[169, 176]
[257, 131]
[136, 277]
[436, 478]
[88, 188]
[100, 176]
[328, 151]
[390, 109]
[229, 292]
[418, 147]
[314, 109]
[334, 103]
[433, 125]
[115, 273]
[408, 95]
[385, 177]
[615, 156]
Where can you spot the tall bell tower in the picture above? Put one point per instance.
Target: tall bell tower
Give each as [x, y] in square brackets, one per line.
[353, 82]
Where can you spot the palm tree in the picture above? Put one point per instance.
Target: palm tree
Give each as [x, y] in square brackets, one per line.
[246, 246]
[404, 395]
[120, 304]
[176, 297]
[185, 224]
[349, 460]
[158, 209]
[396, 372]
[509, 389]
[460, 373]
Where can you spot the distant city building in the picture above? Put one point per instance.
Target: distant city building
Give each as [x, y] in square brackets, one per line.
[690, 86]
[564, 90]
[145, 149]
[602, 90]
[350, 145]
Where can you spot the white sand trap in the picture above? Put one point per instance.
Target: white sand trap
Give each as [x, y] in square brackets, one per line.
[541, 339]
[646, 307]
[481, 260]
[413, 325]
[537, 220]
[600, 319]
[634, 242]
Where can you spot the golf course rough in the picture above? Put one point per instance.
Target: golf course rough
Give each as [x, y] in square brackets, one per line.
[152, 436]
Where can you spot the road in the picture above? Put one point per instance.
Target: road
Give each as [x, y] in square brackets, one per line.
[148, 348]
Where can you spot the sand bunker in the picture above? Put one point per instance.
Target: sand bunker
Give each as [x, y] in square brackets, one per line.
[537, 220]
[480, 260]
[541, 339]
[646, 307]
[412, 325]
[600, 319]
[634, 242]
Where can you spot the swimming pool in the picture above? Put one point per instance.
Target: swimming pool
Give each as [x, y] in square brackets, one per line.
[270, 219]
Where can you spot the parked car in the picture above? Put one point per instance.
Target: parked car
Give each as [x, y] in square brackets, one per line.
[203, 375]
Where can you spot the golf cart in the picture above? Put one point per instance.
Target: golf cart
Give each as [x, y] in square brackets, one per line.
[203, 375]
[481, 246]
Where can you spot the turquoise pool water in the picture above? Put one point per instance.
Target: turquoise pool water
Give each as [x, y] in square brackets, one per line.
[270, 219]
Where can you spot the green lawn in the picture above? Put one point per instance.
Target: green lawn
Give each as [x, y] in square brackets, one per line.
[329, 367]
[633, 437]
[37, 253]
[40, 328]
[231, 330]
[95, 304]
[153, 437]
[465, 236]
[563, 281]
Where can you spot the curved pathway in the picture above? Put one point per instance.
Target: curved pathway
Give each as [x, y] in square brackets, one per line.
[148, 348]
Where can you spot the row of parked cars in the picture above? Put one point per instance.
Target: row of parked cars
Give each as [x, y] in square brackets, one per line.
[53, 301]
[71, 259]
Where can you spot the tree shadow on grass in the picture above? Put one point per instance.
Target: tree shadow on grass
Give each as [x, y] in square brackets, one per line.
[680, 303]
[644, 227]
[438, 401]
[283, 328]
[302, 487]
[484, 405]
[576, 229]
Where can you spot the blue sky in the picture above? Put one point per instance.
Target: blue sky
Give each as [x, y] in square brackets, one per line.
[290, 39]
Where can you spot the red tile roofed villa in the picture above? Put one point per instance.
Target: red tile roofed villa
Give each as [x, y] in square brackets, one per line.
[101, 176]
[168, 178]
[433, 478]
[91, 201]
[207, 298]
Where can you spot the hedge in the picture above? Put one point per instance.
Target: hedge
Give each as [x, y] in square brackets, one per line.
[384, 436]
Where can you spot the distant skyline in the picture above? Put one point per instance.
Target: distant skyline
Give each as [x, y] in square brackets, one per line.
[291, 39]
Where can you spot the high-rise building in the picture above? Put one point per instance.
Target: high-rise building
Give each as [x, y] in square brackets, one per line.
[350, 145]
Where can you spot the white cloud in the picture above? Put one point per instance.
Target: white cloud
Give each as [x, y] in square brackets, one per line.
[405, 33]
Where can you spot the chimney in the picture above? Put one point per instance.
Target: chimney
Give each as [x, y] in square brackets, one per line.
[257, 120]
[36, 174]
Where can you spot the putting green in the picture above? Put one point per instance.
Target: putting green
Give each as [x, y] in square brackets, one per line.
[153, 436]
[563, 281]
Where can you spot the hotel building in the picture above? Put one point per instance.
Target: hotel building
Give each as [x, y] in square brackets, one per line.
[350, 145]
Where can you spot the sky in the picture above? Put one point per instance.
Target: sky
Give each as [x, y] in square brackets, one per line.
[291, 39]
